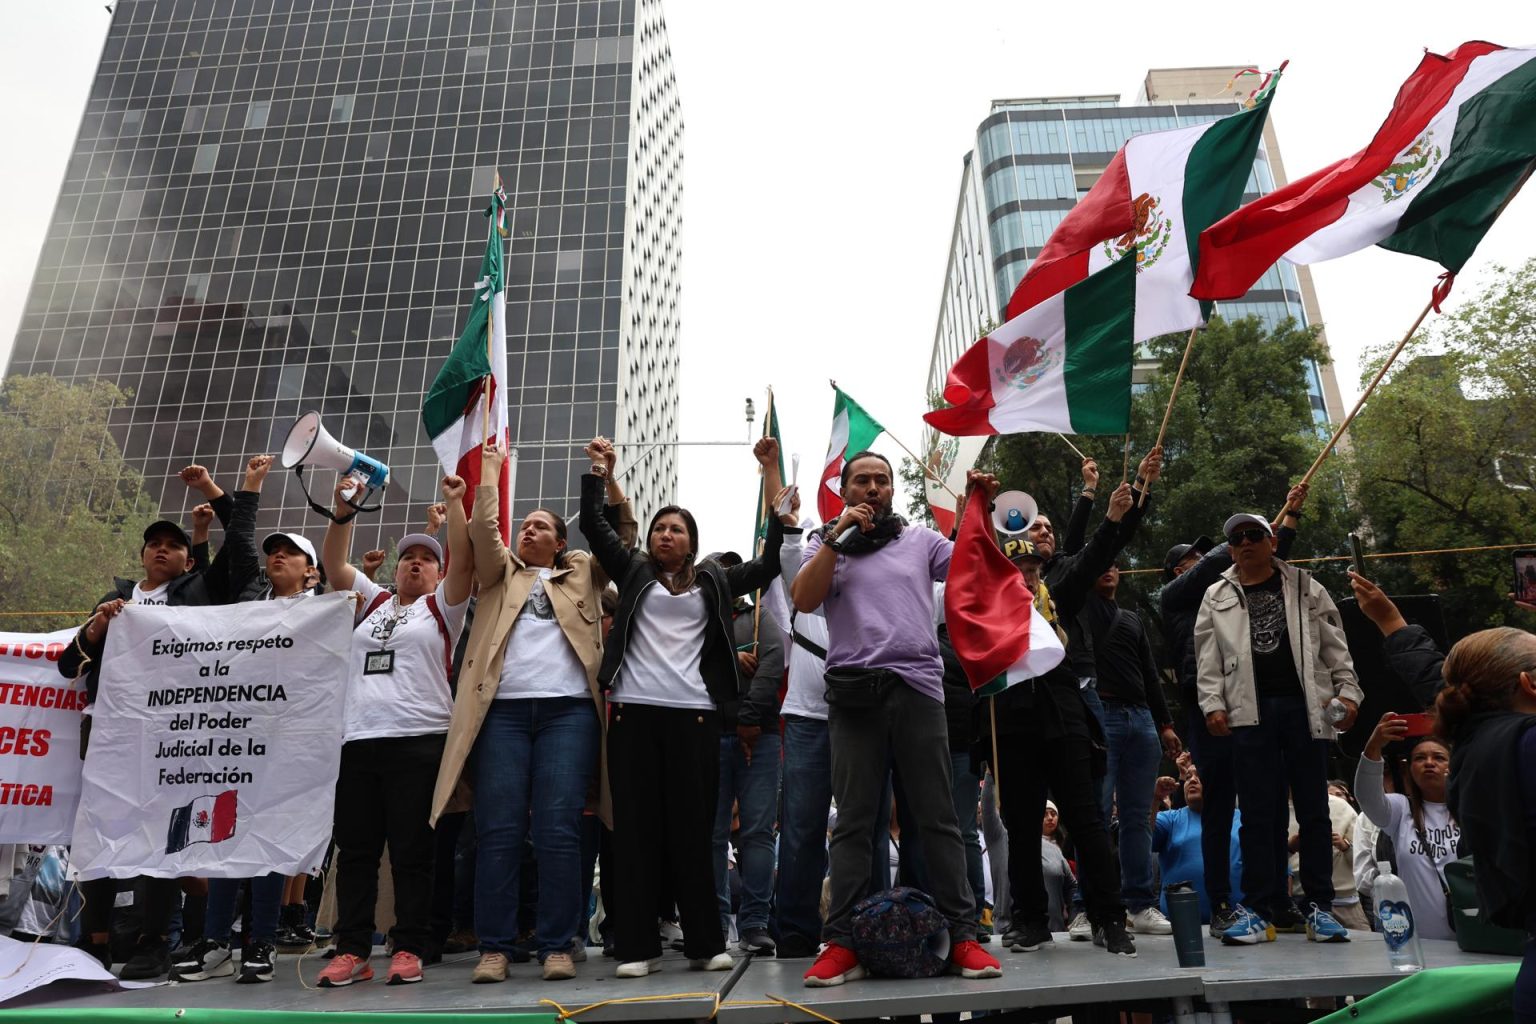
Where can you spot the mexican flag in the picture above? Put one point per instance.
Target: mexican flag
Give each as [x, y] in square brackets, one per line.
[853, 430]
[949, 460]
[760, 522]
[993, 624]
[1459, 142]
[476, 371]
[207, 819]
[1063, 365]
[1158, 193]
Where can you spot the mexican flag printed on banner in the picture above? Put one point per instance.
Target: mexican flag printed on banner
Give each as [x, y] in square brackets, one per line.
[853, 430]
[1458, 143]
[1063, 365]
[207, 819]
[949, 460]
[997, 633]
[1151, 203]
[476, 371]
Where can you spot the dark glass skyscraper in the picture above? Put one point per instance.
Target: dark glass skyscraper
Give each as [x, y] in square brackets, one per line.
[274, 205]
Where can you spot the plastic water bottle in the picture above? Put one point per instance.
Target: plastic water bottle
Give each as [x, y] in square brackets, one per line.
[1337, 711]
[1398, 928]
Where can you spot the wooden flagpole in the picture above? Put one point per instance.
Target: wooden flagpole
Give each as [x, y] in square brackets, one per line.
[1077, 451]
[763, 512]
[1125, 465]
[997, 775]
[1173, 397]
[1434, 301]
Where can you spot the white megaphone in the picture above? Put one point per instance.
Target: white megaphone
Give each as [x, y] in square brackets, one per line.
[310, 444]
[1013, 512]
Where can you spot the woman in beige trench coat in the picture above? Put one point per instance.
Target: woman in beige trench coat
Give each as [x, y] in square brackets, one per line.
[528, 719]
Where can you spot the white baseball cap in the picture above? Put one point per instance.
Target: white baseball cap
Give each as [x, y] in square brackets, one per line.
[425, 540]
[297, 540]
[1246, 519]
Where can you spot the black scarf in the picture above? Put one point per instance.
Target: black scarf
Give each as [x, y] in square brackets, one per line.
[887, 528]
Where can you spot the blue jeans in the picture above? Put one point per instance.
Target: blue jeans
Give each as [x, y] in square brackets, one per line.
[266, 897]
[534, 760]
[1134, 755]
[1281, 746]
[803, 828]
[754, 788]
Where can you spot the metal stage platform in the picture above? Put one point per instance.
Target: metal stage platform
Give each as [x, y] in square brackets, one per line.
[1065, 974]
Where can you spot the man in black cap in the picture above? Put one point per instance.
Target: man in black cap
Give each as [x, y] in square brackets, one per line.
[1188, 571]
[173, 575]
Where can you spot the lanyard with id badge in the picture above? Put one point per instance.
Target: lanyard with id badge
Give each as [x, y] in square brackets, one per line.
[382, 661]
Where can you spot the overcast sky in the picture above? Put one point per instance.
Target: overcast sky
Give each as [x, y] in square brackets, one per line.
[823, 148]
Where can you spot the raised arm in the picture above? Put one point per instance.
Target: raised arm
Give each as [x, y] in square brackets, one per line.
[1370, 789]
[461, 557]
[485, 528]
[762, 570]
[239, 562]
[607, 546]
[1082, 510]
[336, 548]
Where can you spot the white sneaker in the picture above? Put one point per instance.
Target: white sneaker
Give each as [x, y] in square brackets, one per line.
[718, 962]
[637, 968]
[1150, 922]
[1079, 929]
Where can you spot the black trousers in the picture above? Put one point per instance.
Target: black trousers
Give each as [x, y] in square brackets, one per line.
[1029, 769]
[160, 896]
[664, 770]
[384, 795]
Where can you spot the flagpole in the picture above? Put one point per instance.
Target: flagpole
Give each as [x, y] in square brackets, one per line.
[1125, 465]
[1075, 449]
[929, 473]
[1172, 398]
[762, 511]
[1435, 300]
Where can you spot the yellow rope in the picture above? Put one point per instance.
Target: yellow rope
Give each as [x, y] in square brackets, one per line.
[1379, 554]
[573, 1014]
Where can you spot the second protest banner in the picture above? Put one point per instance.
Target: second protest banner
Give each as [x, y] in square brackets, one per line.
[39, 739]
[215, 740]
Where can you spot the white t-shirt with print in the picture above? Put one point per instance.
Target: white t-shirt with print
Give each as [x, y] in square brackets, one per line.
[540, 662]
[412, 699]
[666, 643]
[157, 596]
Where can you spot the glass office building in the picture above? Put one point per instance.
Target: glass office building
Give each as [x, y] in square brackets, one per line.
[1033, 160]
[275, 205]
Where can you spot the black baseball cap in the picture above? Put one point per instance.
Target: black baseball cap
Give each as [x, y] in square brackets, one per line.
[1176, 554]
[1018, 548]
[165, 526]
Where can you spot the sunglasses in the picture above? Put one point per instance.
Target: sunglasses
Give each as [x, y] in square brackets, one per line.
[1251, 535]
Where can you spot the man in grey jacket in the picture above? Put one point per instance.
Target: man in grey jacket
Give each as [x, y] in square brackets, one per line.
[1272, 660]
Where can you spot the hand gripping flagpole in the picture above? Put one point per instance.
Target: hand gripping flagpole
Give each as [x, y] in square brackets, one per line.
[1441, 290]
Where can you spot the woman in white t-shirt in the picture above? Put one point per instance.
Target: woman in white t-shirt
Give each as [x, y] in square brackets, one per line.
[398, 709]
[1424, 835]
[670, 664]
[529, 708]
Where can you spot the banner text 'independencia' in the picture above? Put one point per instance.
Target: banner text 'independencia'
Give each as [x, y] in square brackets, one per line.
[176, 696]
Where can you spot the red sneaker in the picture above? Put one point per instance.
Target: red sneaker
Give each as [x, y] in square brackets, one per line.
[344, 969]
[969, 960]
[835, 965]
[405, 968]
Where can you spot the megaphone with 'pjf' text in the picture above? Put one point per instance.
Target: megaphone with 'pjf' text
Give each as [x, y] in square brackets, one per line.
[310, 444]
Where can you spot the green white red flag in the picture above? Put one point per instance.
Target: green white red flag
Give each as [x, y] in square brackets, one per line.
[1062, 365]
[1458, 143]
[453, 413]
[1158, 193]
[949, 461]
[853, 431]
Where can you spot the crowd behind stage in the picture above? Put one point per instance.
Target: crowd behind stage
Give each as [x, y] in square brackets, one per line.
[564, 750]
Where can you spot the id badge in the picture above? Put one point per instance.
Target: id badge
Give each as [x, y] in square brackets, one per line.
[378, 663]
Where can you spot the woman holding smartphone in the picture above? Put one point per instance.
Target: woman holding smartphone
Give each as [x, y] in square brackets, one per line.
[670, 666]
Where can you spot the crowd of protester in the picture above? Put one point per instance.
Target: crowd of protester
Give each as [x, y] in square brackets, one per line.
[736, 752]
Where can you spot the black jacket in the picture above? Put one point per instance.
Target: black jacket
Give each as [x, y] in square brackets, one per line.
[1071, 582]
[635, 574]
[959, 699]
[757, 702]
[1412, 655]
[1180, 604]
[1484, 798]
[207, 584]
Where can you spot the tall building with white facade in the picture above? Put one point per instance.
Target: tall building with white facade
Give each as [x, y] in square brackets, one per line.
[1035, 158]
[275, 205]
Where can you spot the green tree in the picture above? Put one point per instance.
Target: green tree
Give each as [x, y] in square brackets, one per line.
[71, 509]
[1444, 453]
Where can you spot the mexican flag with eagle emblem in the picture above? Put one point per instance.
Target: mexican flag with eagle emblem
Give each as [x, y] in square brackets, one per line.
[1457, 145]
[1063, 365]
[1159, 192]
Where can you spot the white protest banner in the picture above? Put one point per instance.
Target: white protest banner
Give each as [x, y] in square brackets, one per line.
[39, 739]
[216, 740]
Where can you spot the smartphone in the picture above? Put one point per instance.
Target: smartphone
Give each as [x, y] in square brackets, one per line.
[1418, 724]
[1357, 552]
[1525, 575]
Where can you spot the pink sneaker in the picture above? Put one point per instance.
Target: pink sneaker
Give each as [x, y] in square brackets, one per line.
[404, 968]
[344, 969]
